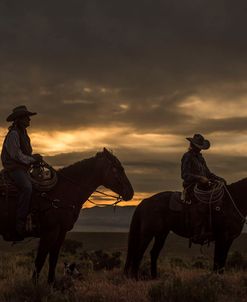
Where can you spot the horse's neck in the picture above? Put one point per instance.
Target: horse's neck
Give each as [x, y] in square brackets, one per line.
[238, 193]
[81, 179]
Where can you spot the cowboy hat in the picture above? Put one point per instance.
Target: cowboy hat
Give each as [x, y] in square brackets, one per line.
[199, 141]
[18, 112]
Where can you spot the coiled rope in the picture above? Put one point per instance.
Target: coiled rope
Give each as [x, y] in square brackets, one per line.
[215, 195]
[212, 195]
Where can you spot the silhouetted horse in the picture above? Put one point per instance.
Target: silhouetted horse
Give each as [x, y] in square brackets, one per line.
[60, 208]
[154, 219]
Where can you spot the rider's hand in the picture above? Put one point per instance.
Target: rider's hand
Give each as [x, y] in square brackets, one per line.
[38, 158]
[220, 179]
[204, 180]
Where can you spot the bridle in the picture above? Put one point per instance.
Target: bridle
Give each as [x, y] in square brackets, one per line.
[85, 186]
[118, 198]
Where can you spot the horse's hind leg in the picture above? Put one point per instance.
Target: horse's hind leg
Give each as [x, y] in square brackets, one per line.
[45, 243]
[158, 244]
[53, 256]
[221, 250]
[140, 250]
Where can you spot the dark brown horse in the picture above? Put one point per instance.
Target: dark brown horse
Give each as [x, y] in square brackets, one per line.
[59, 209]
[154, 219]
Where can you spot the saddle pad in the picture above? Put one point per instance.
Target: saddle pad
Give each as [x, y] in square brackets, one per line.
[175, 202]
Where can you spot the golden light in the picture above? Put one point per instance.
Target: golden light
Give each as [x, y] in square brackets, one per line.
[50, 143]
[138, 197]
[201, 108]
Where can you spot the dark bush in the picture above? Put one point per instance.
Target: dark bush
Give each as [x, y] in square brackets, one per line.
[178, 262]
[174, 289]
[71, 246]
[236, 261]
[201, 262]
[102, 260]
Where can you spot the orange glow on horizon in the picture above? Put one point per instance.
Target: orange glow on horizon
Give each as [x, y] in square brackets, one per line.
[138, 197]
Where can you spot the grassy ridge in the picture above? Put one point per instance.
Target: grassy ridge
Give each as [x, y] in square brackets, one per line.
[174, 245]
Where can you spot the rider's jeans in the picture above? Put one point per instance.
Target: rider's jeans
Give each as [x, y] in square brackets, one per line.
[22, 181]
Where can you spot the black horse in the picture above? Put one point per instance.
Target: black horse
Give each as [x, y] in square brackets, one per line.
[59, 209]
[153, 218]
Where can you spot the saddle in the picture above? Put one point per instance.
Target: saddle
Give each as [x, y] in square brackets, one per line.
[205, 198]
[43, 178]
[198, 208]
[176, 202]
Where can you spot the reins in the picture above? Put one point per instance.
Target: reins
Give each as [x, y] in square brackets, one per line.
[235, 206]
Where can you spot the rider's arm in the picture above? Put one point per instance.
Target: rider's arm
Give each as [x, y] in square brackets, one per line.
[187, 172]
[211, 175]
[12, 144]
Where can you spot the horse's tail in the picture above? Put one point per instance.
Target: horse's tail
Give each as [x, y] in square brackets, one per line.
[133, 240]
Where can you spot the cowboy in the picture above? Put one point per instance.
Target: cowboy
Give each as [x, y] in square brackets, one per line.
[16, 159]
[194, 170]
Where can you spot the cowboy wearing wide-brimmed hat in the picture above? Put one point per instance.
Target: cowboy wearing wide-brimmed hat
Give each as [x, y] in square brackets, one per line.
[18, 112]
[16, 159]
[194, 170]
[199, 141]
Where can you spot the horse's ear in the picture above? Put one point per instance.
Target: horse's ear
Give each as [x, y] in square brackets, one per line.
[106, 152]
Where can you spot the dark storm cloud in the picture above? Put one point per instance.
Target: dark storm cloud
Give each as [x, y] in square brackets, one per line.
[129, 64]
[236, 125]
[149, 55]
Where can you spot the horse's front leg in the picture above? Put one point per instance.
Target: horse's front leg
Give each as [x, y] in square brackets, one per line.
[47, 239]
[53, 256]
[154, 253]
[144, 241]
[221, 250]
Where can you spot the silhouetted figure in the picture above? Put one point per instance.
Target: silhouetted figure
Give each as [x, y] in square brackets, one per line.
[194, 170]
[16, 159]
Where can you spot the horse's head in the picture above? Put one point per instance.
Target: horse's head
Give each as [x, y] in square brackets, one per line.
[114, 177]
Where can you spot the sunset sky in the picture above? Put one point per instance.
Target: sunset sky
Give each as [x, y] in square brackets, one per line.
[136, 77]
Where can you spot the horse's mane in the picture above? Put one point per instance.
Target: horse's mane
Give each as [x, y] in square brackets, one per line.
[85, 166]
[76, 168]
[239, 183]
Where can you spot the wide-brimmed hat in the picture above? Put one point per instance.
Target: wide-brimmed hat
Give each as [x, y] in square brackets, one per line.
[199, 141]
[18, 112]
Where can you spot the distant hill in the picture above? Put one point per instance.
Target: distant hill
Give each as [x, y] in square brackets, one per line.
[105, 219]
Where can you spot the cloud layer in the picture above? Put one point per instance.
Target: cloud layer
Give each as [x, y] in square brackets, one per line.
[137, 77]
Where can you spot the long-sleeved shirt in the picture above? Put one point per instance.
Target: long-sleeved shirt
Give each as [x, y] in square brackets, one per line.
[194, 165]
[12, 153]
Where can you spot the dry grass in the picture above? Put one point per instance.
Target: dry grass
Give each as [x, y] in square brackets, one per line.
[176, 284]
[181, 278]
